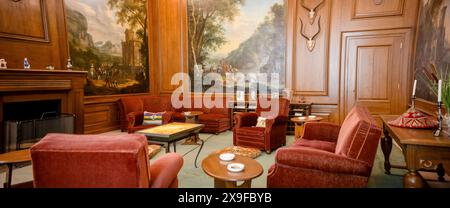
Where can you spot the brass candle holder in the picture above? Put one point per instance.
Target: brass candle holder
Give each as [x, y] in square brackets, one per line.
[438, 132]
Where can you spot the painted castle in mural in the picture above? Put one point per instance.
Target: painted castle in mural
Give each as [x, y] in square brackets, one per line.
[108, 39]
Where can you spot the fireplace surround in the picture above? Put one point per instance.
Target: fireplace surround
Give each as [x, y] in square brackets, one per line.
[21, 86]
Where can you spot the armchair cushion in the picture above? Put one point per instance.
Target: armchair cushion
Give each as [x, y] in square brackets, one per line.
[359, 136]
[90, 161]
[254, 133]
[315, 144]
[246, 119]
[328, 132]
[321, 160]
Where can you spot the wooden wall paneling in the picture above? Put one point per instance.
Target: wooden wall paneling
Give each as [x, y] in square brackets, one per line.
[34, 12]
[172, 41]
[376, 71]
[359, 15]
[101, 117]
[313, 65]
[377, 8]
[42, 37]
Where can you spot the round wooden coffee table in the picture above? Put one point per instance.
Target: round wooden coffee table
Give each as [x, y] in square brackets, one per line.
[217, 169]
[301, 121]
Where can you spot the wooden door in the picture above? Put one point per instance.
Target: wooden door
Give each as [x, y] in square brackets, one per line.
[376, 71]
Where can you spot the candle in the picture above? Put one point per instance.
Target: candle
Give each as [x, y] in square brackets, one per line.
[440, 91]
[414, 88]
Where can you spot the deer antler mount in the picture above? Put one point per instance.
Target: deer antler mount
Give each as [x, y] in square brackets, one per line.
[312, 11]
[311, 41]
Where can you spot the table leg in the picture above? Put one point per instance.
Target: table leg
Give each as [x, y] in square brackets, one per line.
[413, 180]
[175, 147]
[8, 181]
[441, 172]
[168, 148]
[198, 153]
[231, 184]
[386, 146]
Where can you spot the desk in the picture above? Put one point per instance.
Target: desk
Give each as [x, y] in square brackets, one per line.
[422, 152]
[10, 159]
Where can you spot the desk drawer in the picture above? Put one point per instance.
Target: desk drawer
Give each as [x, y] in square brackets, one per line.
[428, 158]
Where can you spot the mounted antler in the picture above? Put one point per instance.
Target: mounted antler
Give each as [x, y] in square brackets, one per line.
[311, 43]
[312, 11]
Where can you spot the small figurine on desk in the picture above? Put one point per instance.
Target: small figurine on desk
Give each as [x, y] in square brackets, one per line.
[69, 64]
[3, 64]
[51, 68]
[26, 64]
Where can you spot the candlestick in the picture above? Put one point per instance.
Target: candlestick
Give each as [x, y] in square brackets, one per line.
[438, 132]
[414, 88]
[440, 91]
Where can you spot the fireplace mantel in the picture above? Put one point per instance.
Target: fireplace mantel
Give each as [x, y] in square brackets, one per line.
[19, 85]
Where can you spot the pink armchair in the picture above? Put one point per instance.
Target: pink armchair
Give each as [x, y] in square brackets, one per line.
[72, 161]
[329, 155]
[273, 136]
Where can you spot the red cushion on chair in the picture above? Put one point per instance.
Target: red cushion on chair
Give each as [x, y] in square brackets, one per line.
[213, 117]
[315, 144]
[252, 132]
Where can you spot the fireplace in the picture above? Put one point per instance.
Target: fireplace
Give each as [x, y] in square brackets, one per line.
[25, 123]
[36, 102]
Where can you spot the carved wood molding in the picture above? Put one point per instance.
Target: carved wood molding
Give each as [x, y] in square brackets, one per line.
[34, 85]
[394, 11]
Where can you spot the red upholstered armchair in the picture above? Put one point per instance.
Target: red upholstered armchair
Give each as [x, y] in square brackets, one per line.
[71, 161]
[328, 155]
[245, 133]
[132, 111]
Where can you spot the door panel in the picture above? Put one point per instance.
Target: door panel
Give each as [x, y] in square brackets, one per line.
[376, 71]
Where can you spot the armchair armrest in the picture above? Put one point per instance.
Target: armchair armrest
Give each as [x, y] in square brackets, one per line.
[165, 170]
[134, 119]
[246, 119]
[321, 160]
[277, 121]
[321, 131]
[167, 117]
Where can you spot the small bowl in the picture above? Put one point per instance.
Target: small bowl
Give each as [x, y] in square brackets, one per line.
[302, 118]
[312, 117]
[187, 113]
[236, 167]
[227, 157]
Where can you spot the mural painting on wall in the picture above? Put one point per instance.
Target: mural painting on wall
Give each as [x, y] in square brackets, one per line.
[108, 39]
[433, 44]
[237, 36]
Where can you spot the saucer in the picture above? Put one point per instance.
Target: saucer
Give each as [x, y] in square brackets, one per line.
[236, 167]
[227, 157]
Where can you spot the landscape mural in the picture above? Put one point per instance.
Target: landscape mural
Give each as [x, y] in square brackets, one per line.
[433, 43]
[108, 39]
[228, 36]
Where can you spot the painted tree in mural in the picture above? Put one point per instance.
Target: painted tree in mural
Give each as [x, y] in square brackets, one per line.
[133, 14]
[206, 32]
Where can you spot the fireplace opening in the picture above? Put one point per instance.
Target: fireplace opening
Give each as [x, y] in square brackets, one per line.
[25, 123]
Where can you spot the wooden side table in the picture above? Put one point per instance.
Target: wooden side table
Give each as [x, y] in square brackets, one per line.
[301, 121]
[12, 158]
[217, 169]
[422, 152]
